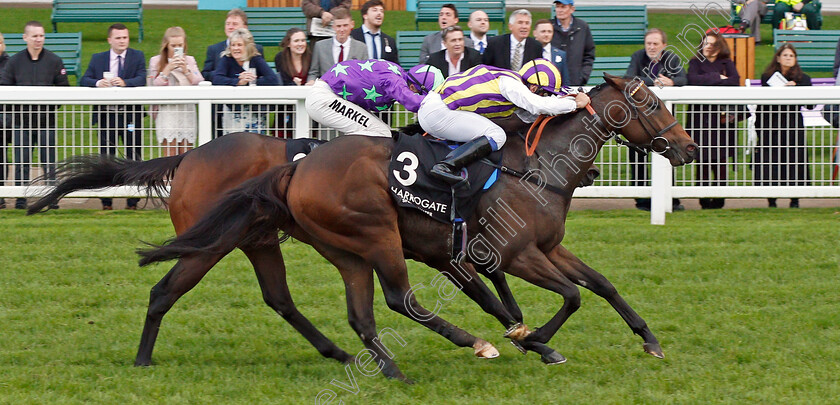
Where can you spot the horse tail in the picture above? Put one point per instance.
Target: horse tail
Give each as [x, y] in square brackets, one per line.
[88, 172]
[248, 215]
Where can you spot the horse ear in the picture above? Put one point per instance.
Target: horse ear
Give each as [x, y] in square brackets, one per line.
[615, 81]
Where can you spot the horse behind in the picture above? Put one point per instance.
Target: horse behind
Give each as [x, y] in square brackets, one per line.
[339, 197]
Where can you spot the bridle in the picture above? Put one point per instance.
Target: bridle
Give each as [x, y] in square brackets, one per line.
[658, 143]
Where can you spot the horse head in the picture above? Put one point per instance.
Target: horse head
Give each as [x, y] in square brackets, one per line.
[630, 108]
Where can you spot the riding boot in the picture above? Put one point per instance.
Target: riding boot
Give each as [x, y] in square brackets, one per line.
[449, 169]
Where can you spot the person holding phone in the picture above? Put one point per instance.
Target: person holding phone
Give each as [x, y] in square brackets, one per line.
[176, 123]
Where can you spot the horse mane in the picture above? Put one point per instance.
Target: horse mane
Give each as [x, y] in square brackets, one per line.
[412, 129]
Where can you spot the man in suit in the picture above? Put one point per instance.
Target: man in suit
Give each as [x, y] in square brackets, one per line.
[479, 24]
[456, 57]
[655, 66]
[432, 43]
[514, 50]
[340, 48]
[543, 33]
[574, 36]
[235, 20]
[125, 67]
[379, 44]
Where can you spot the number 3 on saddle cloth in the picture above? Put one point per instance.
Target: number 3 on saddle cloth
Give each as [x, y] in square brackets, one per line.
[412, 187]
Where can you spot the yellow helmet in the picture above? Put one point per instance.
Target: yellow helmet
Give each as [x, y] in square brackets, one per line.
[543, 73]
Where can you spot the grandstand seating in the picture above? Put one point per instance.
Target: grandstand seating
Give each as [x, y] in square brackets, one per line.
[614, 65]
[428, 10]
[269, 24]
[614, 24]
[815, 48]
[67, 45]
[98, 11]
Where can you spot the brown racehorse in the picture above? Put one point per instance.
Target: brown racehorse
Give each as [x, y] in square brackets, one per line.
[199, 178]
[339, 197]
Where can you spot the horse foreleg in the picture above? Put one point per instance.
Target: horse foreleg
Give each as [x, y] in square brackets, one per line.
[577, 271]
[271, 274]
[465, 277]
[186, 273]
[497, 277]
[534, 267]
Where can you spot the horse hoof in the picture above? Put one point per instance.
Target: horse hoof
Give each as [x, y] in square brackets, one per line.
[519, 347]
[518, 332]
[654, 350]
[553, 358]
[485, 350]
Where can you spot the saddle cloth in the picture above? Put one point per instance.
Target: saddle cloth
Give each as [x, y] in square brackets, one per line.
[297, 149]
[412, 187]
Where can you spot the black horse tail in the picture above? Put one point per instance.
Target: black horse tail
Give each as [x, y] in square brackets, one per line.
[89, 172]
[249, 215]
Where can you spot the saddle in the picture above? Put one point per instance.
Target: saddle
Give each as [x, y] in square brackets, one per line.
[297, 149]
[412, 187]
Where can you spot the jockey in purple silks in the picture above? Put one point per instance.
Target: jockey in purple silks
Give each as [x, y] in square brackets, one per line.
[344, 96]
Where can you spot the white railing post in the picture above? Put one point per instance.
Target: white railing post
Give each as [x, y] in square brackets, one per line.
[660, 190]
[302, 120]
[205, 122]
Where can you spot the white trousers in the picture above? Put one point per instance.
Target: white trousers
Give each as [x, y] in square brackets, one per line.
[460, 126]
[332, 111]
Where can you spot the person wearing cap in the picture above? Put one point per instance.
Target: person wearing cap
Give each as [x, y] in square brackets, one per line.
[344, 97]
[573, 36]
[461, 108]
[456, 57]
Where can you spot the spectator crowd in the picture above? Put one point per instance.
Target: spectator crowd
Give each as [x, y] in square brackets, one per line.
[564, 41]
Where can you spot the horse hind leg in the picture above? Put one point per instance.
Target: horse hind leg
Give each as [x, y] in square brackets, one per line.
[271, 274]
[358, 285]
[577, 271]
[186, 273]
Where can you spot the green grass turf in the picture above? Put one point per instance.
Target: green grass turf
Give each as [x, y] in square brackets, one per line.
[206, 27]
[744, 303]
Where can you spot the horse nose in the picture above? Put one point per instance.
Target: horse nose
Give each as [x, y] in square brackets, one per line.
[691, 151]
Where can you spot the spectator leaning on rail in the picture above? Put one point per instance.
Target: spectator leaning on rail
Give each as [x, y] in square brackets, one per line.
[515, 50]
[34, 66]
[124, 67]
[460, 110]
[323, 9]
[456, 57]
[379, 44]
[573, 36]
[479, 24]
[345, 96]
[656, 67]
[447, 17]
[807, 7]
[781, 158]
[5, 127]
[708, 124]
[543, 33]
[173, 67]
